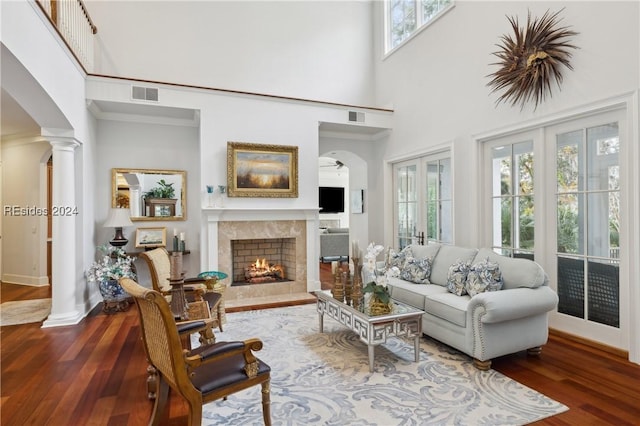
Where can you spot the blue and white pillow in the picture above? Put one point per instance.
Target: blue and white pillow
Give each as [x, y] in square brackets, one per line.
[457, 277]
[398, 259]
[484, 276]
[417, 270]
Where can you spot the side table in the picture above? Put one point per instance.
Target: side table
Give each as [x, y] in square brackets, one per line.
[213, 282]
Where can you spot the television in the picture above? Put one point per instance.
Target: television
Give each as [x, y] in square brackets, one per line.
[331, 199]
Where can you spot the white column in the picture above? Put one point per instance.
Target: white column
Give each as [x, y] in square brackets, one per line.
[63, 268]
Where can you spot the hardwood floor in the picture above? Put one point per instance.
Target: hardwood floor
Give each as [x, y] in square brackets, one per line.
[94, 373]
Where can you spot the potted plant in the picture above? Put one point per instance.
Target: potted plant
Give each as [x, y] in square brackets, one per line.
[163, 190]
[113, 265]
[380, 300]
[160, 200]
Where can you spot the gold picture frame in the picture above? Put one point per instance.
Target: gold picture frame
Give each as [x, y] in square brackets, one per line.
[257, 170]
[151, 237]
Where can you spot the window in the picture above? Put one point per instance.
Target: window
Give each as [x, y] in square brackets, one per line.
[423, 200]
[405, 17]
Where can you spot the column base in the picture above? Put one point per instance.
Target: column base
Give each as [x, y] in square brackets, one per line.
[59, 320]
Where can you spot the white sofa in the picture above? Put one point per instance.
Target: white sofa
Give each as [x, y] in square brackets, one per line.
[334, 244]
[489, 324]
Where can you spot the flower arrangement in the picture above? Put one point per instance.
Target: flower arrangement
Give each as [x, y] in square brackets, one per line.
[378, 288]
[114, 265]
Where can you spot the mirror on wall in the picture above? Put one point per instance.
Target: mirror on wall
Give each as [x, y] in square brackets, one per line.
[150, 194]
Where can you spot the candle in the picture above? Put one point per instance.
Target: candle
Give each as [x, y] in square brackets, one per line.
[182, 236]
[175, 232]
[334, 266]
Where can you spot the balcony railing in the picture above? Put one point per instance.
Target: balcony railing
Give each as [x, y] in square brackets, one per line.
[72, 20]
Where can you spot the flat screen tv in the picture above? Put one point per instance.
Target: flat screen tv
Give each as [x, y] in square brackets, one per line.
[331, 199]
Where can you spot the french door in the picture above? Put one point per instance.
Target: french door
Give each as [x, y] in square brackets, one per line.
[554, 195]
[585, 205]
[423, 200]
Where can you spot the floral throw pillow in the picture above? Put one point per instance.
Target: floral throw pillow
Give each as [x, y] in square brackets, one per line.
[484, 276]
[398, 259]
[457, 277]
[417, 270]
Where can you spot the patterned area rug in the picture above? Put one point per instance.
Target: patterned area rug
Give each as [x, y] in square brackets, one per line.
[24, 311]
[324, 379]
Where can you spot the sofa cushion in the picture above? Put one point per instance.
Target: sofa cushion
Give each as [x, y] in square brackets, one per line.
[457, 277]
[416, 270]
[430, 250]
[447, 256]
[483, 276]
[412, 294]
[398, 259]
[447, 306]
[515, 272]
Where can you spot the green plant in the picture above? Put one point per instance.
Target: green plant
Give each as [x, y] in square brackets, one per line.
[377, 290]
[164, 190]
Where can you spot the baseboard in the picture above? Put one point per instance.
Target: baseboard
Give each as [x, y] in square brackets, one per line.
[591, 343]
[25, 280]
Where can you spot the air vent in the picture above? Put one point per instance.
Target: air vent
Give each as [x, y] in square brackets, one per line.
[355, 116]
[144, 93]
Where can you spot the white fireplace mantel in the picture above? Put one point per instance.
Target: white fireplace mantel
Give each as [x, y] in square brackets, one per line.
[213, 216]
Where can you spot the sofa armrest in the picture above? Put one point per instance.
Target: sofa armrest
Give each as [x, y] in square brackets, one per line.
[506, 305]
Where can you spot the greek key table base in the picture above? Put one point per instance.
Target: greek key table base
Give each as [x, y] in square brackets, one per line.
[402, 321]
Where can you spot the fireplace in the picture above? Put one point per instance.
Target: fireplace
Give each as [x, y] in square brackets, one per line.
[263, 260]
[293, 229]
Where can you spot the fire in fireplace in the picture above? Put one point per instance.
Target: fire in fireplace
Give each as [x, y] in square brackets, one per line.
[263, 261]
[262, 271]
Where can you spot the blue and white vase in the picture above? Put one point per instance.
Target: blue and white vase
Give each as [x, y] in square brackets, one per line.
[114, 296]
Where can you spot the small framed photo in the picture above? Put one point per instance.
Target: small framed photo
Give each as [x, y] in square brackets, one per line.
[151, 237]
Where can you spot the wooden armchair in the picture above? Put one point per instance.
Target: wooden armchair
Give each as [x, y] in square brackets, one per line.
[203, 375]
[160, 270]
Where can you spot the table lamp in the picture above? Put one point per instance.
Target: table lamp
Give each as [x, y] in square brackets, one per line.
[118, 218]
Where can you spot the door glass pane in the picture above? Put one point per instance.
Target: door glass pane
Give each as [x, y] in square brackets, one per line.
[501, 164]
[569, 224]
[567, 168]
[505, 220]
[525, 226]
[445, 179]
[432, 220]
[446, 224]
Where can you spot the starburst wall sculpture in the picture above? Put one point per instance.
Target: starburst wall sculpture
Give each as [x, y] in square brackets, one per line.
[531, 59]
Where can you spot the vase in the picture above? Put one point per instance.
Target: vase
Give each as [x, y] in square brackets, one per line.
[378, 307]
[115, 299]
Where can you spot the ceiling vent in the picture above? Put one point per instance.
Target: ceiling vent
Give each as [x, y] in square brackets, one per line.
[356, 117]
[144, 93]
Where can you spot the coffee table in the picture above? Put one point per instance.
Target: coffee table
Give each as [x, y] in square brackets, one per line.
[402, 321]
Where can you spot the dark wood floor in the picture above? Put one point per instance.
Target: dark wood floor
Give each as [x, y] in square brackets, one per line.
[94, 373]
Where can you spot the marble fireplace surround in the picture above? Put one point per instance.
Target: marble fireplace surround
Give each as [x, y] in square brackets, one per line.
[223, 225]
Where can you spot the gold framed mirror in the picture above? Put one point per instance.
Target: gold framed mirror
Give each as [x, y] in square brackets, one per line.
[150, 194]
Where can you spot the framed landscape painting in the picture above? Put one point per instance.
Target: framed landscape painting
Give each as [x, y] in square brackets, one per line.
[151, 237]
[256, 170]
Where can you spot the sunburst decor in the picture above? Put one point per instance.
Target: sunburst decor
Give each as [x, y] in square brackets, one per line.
[531, 59]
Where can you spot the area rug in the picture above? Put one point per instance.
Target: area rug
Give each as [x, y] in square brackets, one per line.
[324, 379]
[24, 311]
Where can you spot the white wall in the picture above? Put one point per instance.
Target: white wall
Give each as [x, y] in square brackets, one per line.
[307, 49]
[436, 83]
